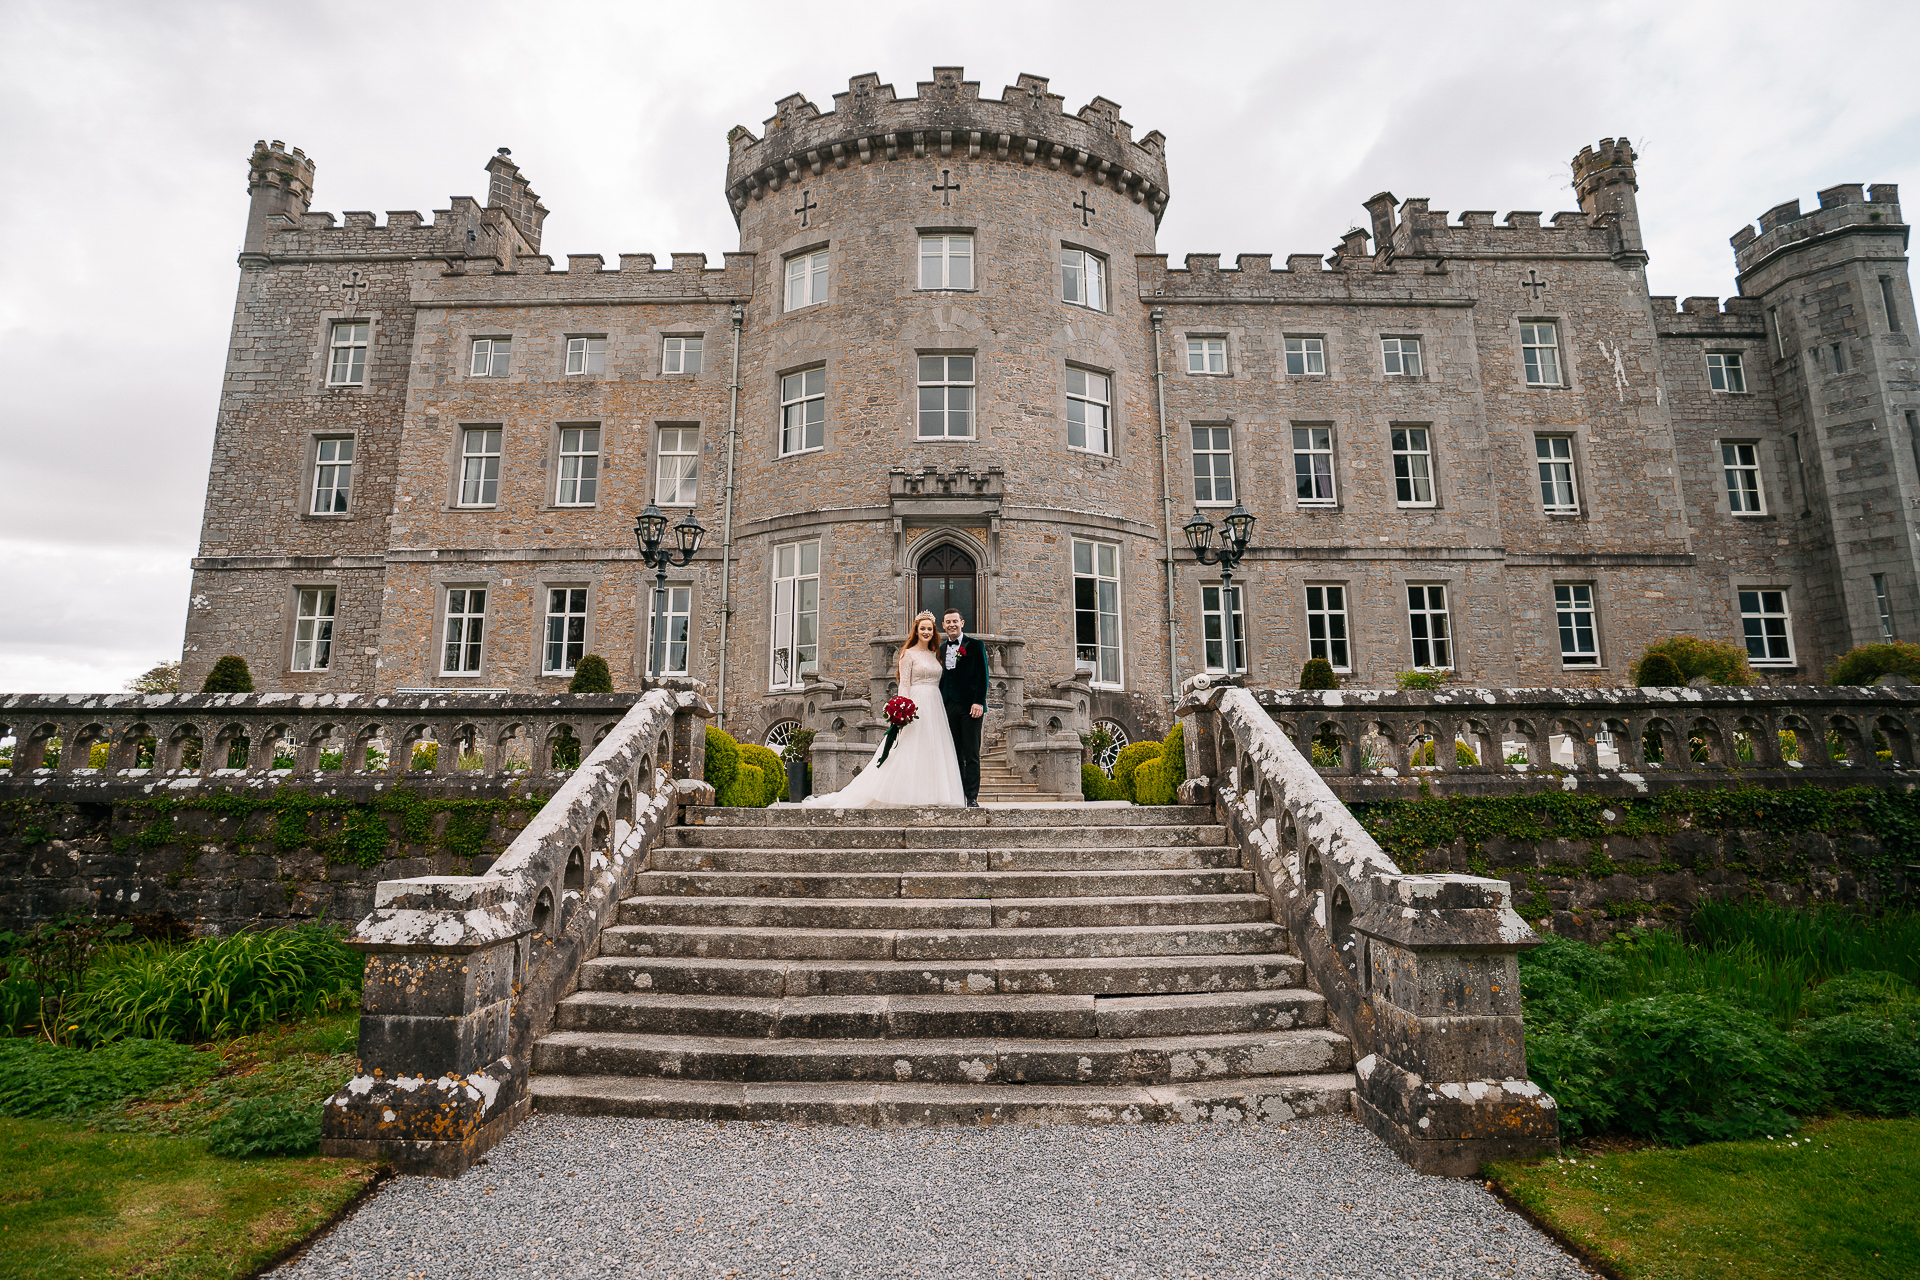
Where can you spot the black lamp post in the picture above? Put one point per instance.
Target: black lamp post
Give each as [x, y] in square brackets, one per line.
[650, 531]
[1237, 531]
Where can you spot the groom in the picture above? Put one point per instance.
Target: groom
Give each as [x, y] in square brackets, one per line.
[963, 687]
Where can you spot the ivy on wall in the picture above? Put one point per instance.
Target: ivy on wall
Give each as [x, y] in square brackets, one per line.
[360, 832]
[1409, 829]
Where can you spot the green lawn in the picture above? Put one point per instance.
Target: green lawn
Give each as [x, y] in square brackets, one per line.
[1839, 1198]
[131, 1190]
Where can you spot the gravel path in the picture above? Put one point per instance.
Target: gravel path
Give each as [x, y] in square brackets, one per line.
[564, 1197]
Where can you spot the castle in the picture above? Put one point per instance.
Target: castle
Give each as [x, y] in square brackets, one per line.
[947, 366]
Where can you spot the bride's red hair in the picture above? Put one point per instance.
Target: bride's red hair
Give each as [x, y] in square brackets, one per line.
[913, 635]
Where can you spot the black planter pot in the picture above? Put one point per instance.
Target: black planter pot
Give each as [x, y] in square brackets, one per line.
[796, 781]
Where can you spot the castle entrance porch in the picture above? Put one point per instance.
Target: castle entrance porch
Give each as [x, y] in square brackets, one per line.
[949, 580]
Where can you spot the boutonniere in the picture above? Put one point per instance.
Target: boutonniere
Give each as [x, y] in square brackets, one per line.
[963, 651]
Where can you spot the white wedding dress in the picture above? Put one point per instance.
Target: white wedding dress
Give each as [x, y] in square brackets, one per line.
[922, 769]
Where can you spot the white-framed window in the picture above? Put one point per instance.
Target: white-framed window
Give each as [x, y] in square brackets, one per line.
[1089, 411]
[1400, 357]
[803, 411]
[946, 262]
[1412, 466]
[492, 358]
[566, 637]
[1428, 623]
[1767, 626]
[806, 279]
[332, 474]
[676, 481]
[1740, 462]
[466, 631]
[675, 612]
[1881, 602]
[579, 467]
[1083, 279]
[1327, 625]
[946, 397]
[1213, 626]
[1206, 355]
[1724, 372]
[1540, 349]
[1579, 638]
[313, 629]
[796, 613]
[1306, 355]
[1212, 465]
[1096, 610]
[347, 353]
[586, 355]
[479, 466]
[1313, 466]
[1558, 492]
[682, 355]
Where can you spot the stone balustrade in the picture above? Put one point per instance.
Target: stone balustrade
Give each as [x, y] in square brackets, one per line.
[464, 972]
[273, 736]
[1420, 970]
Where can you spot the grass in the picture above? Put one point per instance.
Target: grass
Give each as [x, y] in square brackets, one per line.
[1835, 1199]
[130, 1189]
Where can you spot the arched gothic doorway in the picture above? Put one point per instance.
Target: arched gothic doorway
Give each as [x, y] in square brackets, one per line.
[948, 580]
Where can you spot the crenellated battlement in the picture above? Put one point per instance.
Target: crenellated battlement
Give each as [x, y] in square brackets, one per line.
[587, 278]
[1842, 208]
[1708, 317]
[947, 117]
[1416, 231]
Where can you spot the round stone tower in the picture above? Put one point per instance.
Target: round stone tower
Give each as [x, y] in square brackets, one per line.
[946, 398]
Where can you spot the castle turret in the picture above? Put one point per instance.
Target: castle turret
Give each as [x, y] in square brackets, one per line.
[509, 193]
[1604, 179]
[280, 183]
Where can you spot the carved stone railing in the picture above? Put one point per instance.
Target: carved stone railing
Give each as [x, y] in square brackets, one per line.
[243, 735]
[1419, 970]
[464, 972]
[1645, 737]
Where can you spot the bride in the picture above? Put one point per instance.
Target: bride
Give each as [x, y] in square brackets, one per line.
[923, 768]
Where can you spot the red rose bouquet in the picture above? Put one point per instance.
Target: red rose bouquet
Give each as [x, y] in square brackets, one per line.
[899, 712]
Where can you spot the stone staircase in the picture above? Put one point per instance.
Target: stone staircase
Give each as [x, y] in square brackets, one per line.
[1060, 963]
[999, 784]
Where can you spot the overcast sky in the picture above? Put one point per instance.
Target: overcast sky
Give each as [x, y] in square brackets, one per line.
[127, 128]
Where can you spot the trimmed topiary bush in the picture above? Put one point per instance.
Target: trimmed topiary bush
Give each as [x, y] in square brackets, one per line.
[1658, 671]
[229, 675]
[1095, 785]
[1719, 661]
[1318, 674]
[772, 771]
[723, 760]
[1131, 757]
[1868, 662]
[747, 790]
[591, 676]
[1463, 754]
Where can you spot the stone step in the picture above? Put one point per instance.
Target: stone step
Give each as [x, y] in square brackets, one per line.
[895, 1017]
[945, 884]
[720, 942]
[956, 837]
[1268, 1099]
[1064, 857]
[1096, 814]
[947, 913]
[1150, 975]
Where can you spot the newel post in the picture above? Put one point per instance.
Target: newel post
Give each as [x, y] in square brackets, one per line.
[436, 1086]
[1446, 1084]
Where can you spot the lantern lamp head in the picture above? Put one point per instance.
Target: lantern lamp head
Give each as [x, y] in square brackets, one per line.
[1199, 531]
[650, 528]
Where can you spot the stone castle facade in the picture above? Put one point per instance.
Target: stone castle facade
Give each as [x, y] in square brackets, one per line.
[947, 364]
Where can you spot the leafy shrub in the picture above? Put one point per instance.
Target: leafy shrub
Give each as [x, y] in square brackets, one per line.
[773, 772]
[218, 987]
[425, 755]
[229, 675]
[1720, 661]
[1318, 674]
[1868, 1061]
[1095, 785]
[1150, 782]
[1658, 671]
[798, 745]
[1590, 967]
[161, 677]
[1567, 1064]
[1693, 1068]
[1860, 991]
[1423, 678]
[273, 1126]
[39, 1079]
[1462, 753]
[746, 791]
[591, 675]
[1131, 757]
[723, 758]
[1868, 662]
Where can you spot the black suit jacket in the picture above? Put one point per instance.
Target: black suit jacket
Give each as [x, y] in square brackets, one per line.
[966, 683]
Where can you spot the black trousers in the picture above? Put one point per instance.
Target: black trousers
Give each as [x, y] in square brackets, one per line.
[966, 745]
